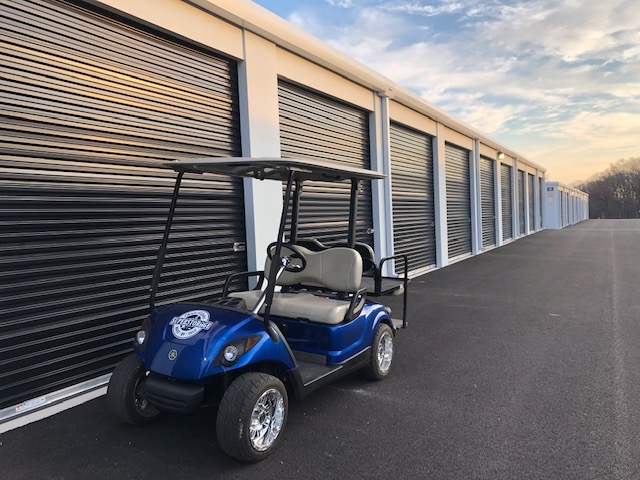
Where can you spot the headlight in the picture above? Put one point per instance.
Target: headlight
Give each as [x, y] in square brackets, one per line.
[141, 336]
[230, 353]
[234, 350]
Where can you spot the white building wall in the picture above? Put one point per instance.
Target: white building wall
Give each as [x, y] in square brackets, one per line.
[559, 213]
[258, 90]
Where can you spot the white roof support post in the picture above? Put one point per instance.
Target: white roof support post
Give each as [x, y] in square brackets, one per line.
[381, 193]
[536, 201]
[497, 182]
[260, 131]
[440, 197]
[515, 211]
[543, 200]
[476, 204]
[527, 213]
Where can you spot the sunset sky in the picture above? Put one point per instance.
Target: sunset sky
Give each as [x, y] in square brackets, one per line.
[558, 82]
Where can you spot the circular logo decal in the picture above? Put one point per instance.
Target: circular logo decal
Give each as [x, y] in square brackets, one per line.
[173, 354]
[189, 324]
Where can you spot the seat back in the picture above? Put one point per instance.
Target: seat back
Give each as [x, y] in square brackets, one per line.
[366, 252]
[338, 269]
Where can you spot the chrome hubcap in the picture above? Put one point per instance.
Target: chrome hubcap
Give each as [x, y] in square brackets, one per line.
[266, 419]
[385, 352]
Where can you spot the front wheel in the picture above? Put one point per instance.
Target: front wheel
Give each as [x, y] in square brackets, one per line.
[252, 416]
[124, 396]
[381, 354]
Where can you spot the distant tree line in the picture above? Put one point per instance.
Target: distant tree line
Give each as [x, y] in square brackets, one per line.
[615, 193]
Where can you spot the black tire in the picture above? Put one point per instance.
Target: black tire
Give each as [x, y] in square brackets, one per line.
[240, 401]
[381, 359]
[123, 393]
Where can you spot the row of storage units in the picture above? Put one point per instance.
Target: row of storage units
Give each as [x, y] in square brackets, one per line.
[564, 205]
[486, 200]
[97, 94]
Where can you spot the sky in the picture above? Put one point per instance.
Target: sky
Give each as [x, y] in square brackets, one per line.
[556, 81]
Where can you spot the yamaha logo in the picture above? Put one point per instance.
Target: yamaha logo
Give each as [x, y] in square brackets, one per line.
[173, 354]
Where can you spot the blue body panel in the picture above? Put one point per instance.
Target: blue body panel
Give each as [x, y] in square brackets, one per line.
[337, 342]
[196, 356]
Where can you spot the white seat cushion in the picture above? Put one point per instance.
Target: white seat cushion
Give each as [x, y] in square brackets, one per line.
[300, 305]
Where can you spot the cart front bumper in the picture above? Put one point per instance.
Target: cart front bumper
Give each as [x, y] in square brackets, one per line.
[173, 396]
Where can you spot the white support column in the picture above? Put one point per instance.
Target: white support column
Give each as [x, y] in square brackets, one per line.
[440, 197]
[544, 199]
[515, 211]
[381, 189]
[497, 182]
[260, 130]
[527, 213]
[540, 206]
[476, 203]
[536, 199]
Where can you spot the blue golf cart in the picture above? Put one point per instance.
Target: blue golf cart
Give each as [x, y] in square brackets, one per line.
[308, 321]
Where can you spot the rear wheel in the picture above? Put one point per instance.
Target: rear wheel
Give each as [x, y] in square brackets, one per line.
[381, 354]
[124, 396]
[252, 416]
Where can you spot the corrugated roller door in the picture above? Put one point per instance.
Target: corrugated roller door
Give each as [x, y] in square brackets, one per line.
[506, 191]
[458, 200]
[487, 198]
[316, 127]
[532, 202]
[573, 212]
[521, 204]
[414, 231]
[91, 107]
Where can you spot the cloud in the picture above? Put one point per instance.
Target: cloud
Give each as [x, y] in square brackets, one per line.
[557, 81]
[429, 10]
[340, 3]
[569, 30]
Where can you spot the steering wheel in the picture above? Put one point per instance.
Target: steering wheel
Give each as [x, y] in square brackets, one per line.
[289, 266]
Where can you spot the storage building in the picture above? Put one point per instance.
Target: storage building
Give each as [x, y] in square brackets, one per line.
[98, 93]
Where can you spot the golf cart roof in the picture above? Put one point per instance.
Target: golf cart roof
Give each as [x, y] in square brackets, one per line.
[274, 168]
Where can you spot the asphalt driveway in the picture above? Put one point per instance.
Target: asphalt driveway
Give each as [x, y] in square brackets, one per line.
[520, 363]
